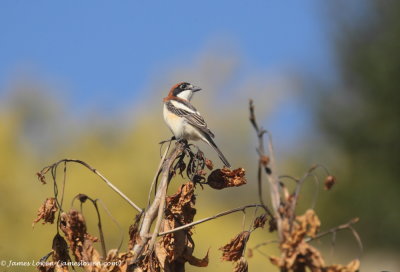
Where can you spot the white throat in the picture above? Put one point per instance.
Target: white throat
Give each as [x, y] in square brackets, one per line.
[186, 94]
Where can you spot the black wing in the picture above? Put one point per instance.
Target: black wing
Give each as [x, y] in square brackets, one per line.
[193, 118]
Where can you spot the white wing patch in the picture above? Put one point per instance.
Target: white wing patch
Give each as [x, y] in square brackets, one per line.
[182, 106]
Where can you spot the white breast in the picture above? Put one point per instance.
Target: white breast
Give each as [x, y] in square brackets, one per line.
[175, 123]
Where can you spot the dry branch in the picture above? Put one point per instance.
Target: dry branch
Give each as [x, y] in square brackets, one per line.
[151, 213]
[240, 209]
[268, 163]
[53, 167]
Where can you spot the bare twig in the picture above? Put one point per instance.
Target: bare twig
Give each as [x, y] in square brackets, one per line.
[334, 230]
[53, 168]
[265, 243]
[240, 209]
[102, 241]
[299, 185]
[114, 220]
[272, 176]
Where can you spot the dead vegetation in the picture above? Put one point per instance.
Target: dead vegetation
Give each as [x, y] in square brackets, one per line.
[161, 237]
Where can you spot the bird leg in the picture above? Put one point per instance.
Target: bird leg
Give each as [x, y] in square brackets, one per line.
[167, 141]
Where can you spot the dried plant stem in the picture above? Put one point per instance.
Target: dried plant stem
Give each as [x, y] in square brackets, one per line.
[151, 213]
[157, 174]
[272, 175]
[112, 186]
[347, 225]
[240, 209]
[102, 240]
[160, 214]
[265, 243]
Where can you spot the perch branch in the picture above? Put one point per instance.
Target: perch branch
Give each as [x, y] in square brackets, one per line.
[157, 174]
[153, 210]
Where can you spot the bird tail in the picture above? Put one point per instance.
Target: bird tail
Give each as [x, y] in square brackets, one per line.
[210, 141]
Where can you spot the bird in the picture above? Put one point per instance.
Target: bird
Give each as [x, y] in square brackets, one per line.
[183, 119]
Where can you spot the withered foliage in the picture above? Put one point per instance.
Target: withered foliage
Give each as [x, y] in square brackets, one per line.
[59, 255]
[60, 249]
[329, 182]
[180, 206]
[41, 177]
[198, 262]
[47, 211]
[264, 160]
[233, 251]
[224, 178]
[149, 262]
[241, 265]
[174, 249]
[119, 262]
[134, 232]
[209, 164]
[297, 254]
[259, 222]
[80, 242]
[352, 266]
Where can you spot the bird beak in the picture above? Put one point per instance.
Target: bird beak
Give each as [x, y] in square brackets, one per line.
[196, 89]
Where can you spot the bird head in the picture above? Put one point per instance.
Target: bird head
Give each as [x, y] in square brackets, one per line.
[184, 90]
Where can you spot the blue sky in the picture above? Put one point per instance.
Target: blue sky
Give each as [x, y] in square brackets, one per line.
[107, 51]
[112, 47]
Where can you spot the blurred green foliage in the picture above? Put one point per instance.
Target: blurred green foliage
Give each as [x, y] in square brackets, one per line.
[360, 118]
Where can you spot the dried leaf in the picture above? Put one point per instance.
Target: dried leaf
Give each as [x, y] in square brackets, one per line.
[59, 255]
[310, 223]
[233, 251]
[209, 164]
[46, 268]
[264, 160]
[353, 266]
[180, 206]
[297, 255]
[112, 254]
[177, 247]
[223, 178]
[150, 262]
[275, 261]
[134, 232]
[41, 177]
[259, 222]
[47, 211]
[241, 266]
[272, 225]
[121, 260]
[81, 243]
[181, 167]
[60, 249]
[198, 262]
[329, 182]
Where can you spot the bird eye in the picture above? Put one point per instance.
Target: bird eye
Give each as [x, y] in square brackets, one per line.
[183, 86]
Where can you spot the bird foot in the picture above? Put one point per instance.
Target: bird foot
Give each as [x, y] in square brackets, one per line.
[167, 141]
